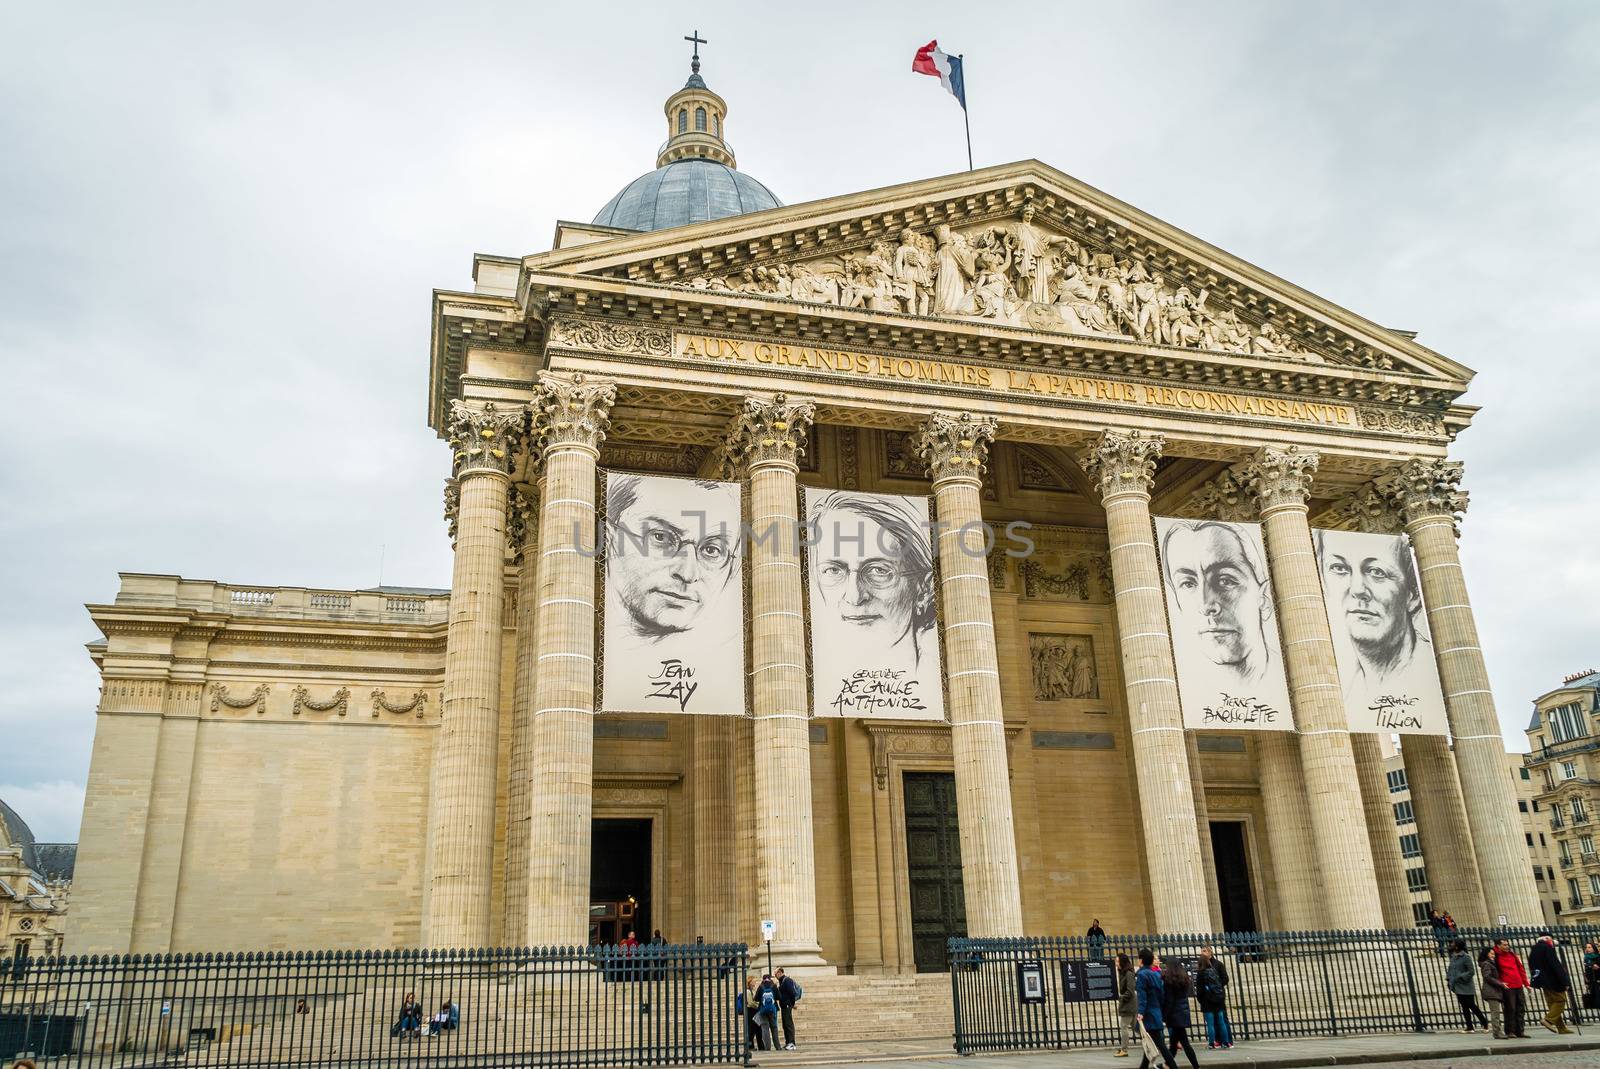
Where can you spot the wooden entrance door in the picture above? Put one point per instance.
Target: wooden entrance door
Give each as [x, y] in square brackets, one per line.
[933, 863]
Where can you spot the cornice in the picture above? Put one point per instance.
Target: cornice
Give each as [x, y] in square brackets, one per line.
[463, 321]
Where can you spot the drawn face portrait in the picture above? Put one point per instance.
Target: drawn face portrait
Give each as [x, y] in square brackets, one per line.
[671, 549]
[872, 571]
[1375, 592]
[1222, 591]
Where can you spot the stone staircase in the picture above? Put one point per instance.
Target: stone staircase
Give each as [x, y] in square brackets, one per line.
[873, 1008]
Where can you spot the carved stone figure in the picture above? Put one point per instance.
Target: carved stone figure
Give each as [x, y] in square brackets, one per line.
[1035, 260]
[1063, 667]
[913, 274]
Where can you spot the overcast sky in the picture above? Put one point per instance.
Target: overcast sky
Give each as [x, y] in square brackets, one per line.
[218, 236]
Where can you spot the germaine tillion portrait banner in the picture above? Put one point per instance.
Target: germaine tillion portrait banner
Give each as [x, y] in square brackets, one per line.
[1224, 626]
[874, 630]
[673, 636]
[1380, 633]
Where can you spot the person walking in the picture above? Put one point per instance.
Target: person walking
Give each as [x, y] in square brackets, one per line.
[788, 995]
[1462, 977]
[1127, 1005]
[1096, 936]
[1493, 991]
[1210, 984]
[1591, 976]
[1548, 973]
[1175, 1008]
[1514, 978]
[1149, 993]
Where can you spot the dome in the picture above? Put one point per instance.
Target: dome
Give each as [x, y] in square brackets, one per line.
[682, 192]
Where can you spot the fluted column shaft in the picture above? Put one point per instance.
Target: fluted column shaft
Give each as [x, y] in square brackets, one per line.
[1202, 823]
[1124, 467]
[1349, 895]
[1382, 832]
[573, 417]
[462, 806]
[1442, 828]
[716, 813]
[1429, 497]
[525, 536]
[768, 438]
[1295, 875]
[955, 448]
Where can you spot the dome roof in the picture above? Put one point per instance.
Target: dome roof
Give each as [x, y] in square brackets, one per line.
[683, 192]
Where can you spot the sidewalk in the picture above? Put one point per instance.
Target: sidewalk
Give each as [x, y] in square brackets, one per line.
[936, 1053]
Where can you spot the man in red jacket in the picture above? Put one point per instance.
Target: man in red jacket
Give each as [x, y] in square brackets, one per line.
[1515, 978]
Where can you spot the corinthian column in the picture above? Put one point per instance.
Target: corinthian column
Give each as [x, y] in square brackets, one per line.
[1124, 468]
[1282, 479]
[571, 416]
[767, 438]
[955, 449]
[483, 440]
[1428, 495]
[524, 532]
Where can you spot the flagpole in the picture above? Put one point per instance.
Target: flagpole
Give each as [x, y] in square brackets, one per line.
[965, 120]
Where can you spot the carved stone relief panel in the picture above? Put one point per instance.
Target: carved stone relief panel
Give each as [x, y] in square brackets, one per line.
[1034, 474]
[1066, 565]
[1063, 667]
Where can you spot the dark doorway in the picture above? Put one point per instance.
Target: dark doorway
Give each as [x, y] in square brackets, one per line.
[619, 880]
[933, 861]
[1233, 876]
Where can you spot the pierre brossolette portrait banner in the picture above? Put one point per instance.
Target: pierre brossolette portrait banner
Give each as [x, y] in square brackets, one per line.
[874, 639]
[1224, 631]
[674, 605]
[1380, 633]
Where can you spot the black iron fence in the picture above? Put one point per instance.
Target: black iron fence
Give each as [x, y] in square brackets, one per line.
[589, 1006]
[1019, 994]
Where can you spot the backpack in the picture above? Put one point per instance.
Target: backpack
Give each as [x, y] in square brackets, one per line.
[769, 1005]
[797, 991]
[1210, 988]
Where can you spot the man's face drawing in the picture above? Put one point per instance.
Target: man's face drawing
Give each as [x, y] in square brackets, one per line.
[672, 553]
[1218, 590]
[862, 577]
[1372, 591]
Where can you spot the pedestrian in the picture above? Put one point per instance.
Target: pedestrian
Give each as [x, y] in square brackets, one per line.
[788, 994]
[1175, 1008]
[301, 1007]
[1591, 976]
[1514, 978]
[1493, 991]
[410, 1022]
[1127, 1005]
[1097, 940]
[1210, 984]
[1441, 930]
[746, 1004]
[1463, 980]
[1149, 993]
[658, 939]
[1548, 973]
[767, 1012]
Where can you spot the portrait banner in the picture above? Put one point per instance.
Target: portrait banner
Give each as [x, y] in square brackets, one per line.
[1224, 625]
[873, 618]
[672, 635]
[1380, 633]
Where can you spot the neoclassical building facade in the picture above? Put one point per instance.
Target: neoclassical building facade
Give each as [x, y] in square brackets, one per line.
[282, 767]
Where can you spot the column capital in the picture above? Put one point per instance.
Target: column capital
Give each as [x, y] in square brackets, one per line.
[485, 438]
[1281, 478]
[1227, 497]
[769, 433]
[1123, 463]
[522, 519]
[452, 506]
[1424, 489]
[573, 411]
[956, 447]
[1366, 509]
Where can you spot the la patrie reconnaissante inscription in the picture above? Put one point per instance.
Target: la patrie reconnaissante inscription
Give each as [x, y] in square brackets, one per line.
[1026, 382]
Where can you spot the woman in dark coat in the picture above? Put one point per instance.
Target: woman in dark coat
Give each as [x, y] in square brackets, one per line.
[1210, 990]
[1175, 1007]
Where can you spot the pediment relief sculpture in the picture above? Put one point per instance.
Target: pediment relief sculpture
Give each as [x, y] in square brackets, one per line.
[1019, 274]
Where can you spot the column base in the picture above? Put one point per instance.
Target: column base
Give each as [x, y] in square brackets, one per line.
[800, 959]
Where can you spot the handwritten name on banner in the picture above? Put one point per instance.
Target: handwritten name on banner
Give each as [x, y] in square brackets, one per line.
[1006, 380]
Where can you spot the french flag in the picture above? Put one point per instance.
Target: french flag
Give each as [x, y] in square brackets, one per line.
[946, 68]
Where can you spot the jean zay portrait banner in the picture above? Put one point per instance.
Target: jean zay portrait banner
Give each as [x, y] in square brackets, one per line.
[674, 601]
[874, 635]
[1224, 628]
[1380, 633]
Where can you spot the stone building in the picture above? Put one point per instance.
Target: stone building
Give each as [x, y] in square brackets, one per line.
[35, 888]
[277, 766]
[1563, 744]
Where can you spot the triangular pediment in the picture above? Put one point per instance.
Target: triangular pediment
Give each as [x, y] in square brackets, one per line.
[1021, 246]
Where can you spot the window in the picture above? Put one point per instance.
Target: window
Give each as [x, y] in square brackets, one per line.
[683, 120]
[1556, 905]
[700, 119]
[1569, 770]
[1538, 874]
[1594, 883]
[1556, 820]
[716, 124]
[1536, 805]
[1550, 874]
[1410, 846]
[1574, 892]
[1522, 807]
[1566, 722]
[1528, 836]
[1403, 814]
[1541, 840]
[1579, 814]
[1417, 879]
[1420, 911]
[1586, 844]
[1566, 850]
[1397, 781]
[1524, 772]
